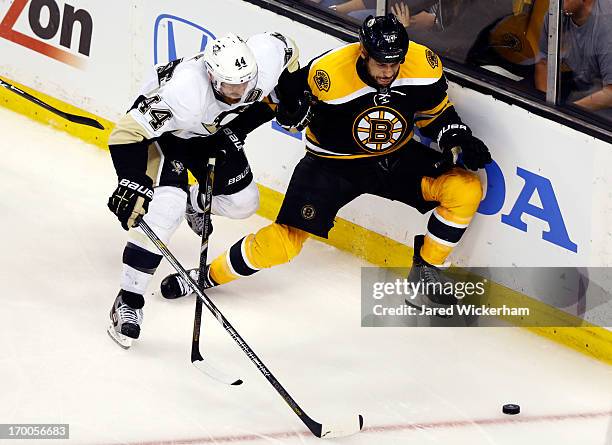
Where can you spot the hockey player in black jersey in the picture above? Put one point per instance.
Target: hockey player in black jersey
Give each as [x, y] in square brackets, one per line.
[359, 104]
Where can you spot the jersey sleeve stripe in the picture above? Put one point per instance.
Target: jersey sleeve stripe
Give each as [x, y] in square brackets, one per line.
[128, 131]
[349, 97]
[424, 118]
[415, 81]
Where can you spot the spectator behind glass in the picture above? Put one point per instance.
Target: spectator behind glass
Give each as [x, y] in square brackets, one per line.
[425, 19]
[416, 14]
[586, 52]
[430, 15]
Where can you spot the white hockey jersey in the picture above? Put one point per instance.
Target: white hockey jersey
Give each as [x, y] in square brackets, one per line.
[179, 97]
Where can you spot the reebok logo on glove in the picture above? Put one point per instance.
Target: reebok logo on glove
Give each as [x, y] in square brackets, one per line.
[137, 187]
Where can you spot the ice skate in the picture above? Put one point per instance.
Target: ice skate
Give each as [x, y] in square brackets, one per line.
[174, 286]
[434, 289]
[126, 319]
[195, 219]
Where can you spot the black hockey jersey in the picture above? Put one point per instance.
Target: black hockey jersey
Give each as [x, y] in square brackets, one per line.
[353, 118]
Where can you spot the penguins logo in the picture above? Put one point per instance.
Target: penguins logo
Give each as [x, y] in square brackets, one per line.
[378, 129]
[177, 166]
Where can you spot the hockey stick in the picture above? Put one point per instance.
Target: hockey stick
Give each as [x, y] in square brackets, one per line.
[319, 430]
[196, 356]
[68, 116]
[455, 152]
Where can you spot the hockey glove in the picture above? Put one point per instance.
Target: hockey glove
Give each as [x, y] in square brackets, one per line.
[475, 153]
[224, 142]
[298, 118]
[218, 145]
[130, 200]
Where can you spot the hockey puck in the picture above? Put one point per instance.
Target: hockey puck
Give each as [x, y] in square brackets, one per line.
[511, 409]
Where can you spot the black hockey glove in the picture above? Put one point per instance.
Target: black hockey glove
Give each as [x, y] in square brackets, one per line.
[218, 145]
[224, 142]
[475, 153]
[130, 200]
[298, 118]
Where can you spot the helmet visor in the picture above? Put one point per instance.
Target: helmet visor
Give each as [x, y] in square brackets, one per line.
[233, 91]
[236, 92]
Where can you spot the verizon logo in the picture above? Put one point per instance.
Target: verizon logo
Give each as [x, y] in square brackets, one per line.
[46, 21]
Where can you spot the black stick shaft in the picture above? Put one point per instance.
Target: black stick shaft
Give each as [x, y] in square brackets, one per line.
[77, 119]
[313, 426]
[197, 317]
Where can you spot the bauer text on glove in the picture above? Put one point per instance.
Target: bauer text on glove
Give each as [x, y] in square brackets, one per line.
[130, 200]
[475, 154]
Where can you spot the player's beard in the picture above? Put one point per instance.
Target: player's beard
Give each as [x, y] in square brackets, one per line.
[386, 81]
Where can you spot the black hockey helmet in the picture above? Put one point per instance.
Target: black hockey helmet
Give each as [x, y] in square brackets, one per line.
[384, 38]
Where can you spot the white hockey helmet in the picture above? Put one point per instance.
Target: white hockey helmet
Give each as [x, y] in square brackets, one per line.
[231, 65]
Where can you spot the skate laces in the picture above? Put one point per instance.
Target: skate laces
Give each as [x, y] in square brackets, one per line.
[430, 274]
[129, 315]
[184, 285]
[194, 219]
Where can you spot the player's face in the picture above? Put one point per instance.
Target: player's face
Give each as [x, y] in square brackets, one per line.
[382, 73]
[233, 92]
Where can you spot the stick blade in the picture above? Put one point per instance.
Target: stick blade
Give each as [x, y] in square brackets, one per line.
[215, 374]
[331, 431]
[84, 120]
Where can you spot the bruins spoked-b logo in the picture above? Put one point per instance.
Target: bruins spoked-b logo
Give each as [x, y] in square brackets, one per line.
[321, 80]
[432, 59]
[379, 129]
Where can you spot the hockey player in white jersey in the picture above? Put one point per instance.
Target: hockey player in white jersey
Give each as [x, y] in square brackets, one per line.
[173, 126]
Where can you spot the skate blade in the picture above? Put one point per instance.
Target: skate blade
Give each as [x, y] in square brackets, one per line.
[120, 339]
